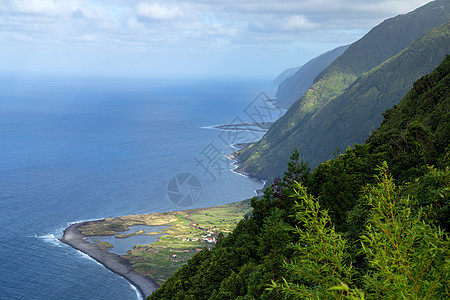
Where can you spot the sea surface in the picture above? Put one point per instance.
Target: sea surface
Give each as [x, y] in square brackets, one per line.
[74, 149]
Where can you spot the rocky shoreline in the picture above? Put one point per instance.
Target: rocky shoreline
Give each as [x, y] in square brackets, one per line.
[239, 170]
[117, 264]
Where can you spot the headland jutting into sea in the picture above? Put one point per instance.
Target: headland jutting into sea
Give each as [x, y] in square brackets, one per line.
[117, 264]
[186, 232]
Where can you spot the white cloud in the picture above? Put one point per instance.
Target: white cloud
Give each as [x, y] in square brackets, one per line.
[204, 27]
[155, 11]
[44, 7]
[298, 23]
[318, 7]
[201, 18]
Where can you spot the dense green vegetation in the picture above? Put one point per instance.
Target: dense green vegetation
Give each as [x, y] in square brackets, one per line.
[345, 103]
[298, 83]
[405, 256]
[370, 223]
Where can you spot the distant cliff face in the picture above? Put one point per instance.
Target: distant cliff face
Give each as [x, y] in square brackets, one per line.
[295, 86]
[285, 74]
[344, 104]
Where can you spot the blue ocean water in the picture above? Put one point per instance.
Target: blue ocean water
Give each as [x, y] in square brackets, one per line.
[75, 149]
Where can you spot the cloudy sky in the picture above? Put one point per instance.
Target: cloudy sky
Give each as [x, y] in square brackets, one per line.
[181, 38]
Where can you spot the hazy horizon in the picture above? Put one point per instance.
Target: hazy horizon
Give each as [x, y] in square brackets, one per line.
[190, 38]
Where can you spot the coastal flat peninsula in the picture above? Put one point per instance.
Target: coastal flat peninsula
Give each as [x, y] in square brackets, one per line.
[186, 232]
[116, 263]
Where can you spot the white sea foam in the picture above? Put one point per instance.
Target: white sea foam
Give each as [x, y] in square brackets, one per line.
[54, 238]
[84, 255]
[233, 170]
[211, 127]
[138, 294]
[50, 238]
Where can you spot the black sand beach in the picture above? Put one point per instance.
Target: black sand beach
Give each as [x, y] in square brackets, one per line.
[119, 265]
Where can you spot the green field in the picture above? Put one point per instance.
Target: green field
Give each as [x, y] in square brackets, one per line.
[183, 236]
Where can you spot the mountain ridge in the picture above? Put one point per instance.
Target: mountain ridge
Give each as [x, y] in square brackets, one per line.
[297, 84]
[285, 74]
[332, 83]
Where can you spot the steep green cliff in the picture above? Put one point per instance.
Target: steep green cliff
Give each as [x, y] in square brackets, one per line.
[316, 125]
[340, 232]
[297, 84]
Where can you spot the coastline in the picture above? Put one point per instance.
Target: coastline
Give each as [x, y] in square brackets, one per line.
[147, 266]
[117, 264]
[238, 170]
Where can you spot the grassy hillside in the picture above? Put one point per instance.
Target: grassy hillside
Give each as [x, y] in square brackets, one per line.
[351, 117]
[296, 85]
[368, 54]
[340, 232]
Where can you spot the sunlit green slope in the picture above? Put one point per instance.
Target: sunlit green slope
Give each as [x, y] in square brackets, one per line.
[372, 74]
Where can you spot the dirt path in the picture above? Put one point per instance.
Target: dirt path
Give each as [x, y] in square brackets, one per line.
[188, 217]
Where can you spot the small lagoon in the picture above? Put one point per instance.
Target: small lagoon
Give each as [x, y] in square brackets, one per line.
[122, 245]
